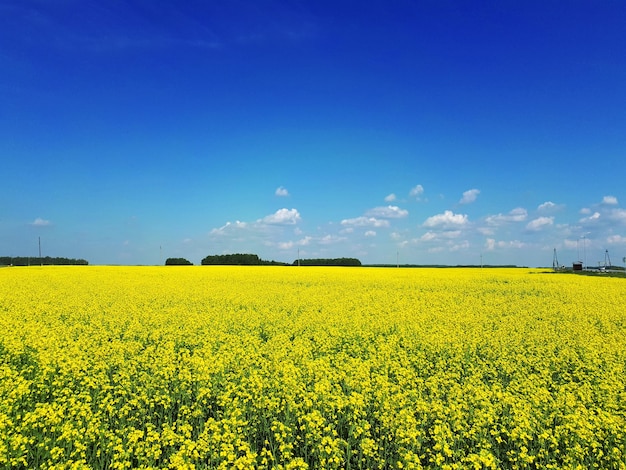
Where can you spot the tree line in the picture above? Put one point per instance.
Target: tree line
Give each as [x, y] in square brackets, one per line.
[239, 259]
[178, 262]
[249, 259]
[35, 260]
[328, 262]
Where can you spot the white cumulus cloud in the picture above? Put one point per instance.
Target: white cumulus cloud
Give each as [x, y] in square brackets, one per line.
[609, 200]
[539, 223]
[469, 196]
[370, 233]
[549, 206]
[389, 212]
[228, 226]
[282, 217]
[365, 222]
[446, 220]
[518, 214]
[591, 218]
[390, 198]
[290, 244]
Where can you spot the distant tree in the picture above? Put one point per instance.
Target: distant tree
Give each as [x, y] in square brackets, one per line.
[328, 262]
[177, 262]
[246, 259]
[28, 260]
[239, 259]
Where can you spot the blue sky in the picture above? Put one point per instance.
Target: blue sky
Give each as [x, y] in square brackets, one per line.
[424, 132]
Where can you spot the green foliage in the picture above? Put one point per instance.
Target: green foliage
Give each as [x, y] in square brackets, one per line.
[47, 260]
[232, 259]
[178, 262]
[328, 262]
[239, 259]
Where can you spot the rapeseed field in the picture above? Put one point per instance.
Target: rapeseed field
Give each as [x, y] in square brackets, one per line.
[295, 368]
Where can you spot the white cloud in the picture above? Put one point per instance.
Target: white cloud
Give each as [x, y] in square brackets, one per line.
[228, 226]
[39, 222]
[446, 220]
[546, 206]
[428, 236]
[464, 245]
[433, 236]
[282, 217]
[370, 233]
[282, 192]
[618, 215]
[469, 196]
[609, 200]
[549, 206]
[330, 239]
[365, 222]
[591, 218]
[518, 214]
[491, 244]
[616, 239]
[417, 191]
[389, 212]
[539, 223]
[390, 198]
[290, 244]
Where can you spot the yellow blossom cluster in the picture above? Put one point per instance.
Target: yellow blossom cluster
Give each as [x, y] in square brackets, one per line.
[309, 367]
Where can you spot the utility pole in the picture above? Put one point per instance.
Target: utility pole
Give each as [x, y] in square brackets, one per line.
[40, 258]
[555, 262]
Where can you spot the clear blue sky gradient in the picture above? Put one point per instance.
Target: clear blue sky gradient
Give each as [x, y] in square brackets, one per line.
[424, 132]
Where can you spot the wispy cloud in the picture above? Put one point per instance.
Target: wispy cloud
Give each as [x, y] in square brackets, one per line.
[389, 212]
[39, 222]
[390, 197]
[609, 200]
[365, 222]
[228, 226]
[518, 214]
[281, 192]
[540, 223]
[295, 243]
[416, 191]
[593, 217]
[469, 196]
[616, 240]
[491, 244]
[548, 206]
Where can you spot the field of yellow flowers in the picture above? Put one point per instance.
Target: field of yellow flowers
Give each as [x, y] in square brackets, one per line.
[294, 368]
